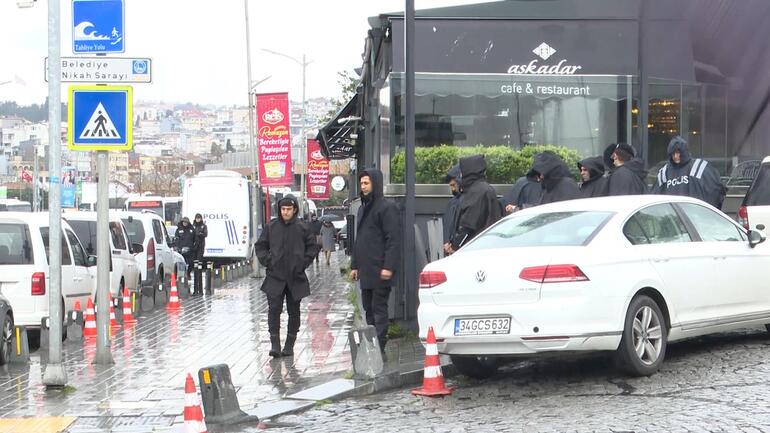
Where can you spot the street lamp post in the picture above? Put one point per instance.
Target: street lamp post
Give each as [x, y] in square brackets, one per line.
[303, 163]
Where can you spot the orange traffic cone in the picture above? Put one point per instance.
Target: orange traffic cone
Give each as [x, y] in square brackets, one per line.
[173, 299]
[433, 379]
[89, 330]
[193, 414]
[128, 317]
[113, 320]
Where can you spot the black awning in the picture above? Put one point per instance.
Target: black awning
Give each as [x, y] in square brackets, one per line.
[335, 137]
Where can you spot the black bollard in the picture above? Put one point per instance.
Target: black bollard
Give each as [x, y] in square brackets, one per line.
[220, 403]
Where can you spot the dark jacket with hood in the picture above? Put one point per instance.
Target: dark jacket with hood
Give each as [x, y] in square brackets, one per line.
[479, 207]
[286, 249]
[629, 178]
[201, 232]
[691, 177]
[596, 185]
[557, 183]
[378, 236]
[526, 192]
[449, 220]
[184, 237]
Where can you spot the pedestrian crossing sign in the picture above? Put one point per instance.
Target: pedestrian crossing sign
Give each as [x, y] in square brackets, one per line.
[100, 118]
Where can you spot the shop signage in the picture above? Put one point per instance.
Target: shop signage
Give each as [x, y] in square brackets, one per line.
[544, 51]
[317, 172]
[274, 139]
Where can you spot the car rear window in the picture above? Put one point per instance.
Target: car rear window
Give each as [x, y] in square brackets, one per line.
[135, 230]
[546, 229]
[759, 193]
[15, 245]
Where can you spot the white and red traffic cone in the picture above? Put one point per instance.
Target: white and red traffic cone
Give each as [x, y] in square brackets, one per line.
[128, 316]
[193, 413]
[89, 329]
[173, 299]
[113, 320]
[433, 378]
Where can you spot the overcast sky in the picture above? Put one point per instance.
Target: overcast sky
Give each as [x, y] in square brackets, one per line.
[198, 47]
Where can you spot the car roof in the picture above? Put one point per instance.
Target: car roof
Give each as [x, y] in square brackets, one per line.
[36, 218]
[89, 216]
[142, 216]
[620, 204]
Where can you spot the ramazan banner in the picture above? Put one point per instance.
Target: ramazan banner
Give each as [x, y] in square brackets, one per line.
[317, 172]
[274, 139]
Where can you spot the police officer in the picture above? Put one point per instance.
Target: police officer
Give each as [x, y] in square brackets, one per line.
[683, 175]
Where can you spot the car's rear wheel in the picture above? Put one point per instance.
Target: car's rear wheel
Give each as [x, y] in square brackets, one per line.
[643, 345]
[477, 367]
[6, 338]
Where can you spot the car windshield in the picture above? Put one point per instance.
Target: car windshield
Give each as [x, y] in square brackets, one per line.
[759, 194]
[546, 229]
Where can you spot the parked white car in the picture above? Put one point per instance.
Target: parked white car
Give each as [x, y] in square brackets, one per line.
[124, 268]
[24, 272]
[156, 260]
[754, 212]
[625, 274]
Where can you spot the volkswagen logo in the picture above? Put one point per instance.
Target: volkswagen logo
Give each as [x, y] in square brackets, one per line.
[480, 276]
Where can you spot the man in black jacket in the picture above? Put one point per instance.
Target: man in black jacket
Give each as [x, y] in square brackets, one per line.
[557, 181]
[449, 221]
[200, 232]
[683, 175]
[627, 178]
[526, 192]
[286, 248]
[184, 241]
[592, 172]
[479, 207]
[377, 249]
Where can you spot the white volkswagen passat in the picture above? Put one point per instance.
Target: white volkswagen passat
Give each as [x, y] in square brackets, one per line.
[625, 274]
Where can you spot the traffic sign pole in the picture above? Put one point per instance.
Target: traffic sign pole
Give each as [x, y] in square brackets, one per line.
[55, 375]
[103, 354]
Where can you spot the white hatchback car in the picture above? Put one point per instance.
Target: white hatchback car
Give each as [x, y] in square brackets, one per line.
[124, 268]
[24, 272]
[625, 274]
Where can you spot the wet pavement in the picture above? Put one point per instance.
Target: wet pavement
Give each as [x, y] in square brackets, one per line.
[144, 389]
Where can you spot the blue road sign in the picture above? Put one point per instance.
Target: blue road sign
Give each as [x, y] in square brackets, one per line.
[100, 118]
[97, 26]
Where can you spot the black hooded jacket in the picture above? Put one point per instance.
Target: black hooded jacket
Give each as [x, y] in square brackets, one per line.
[628, 179]
[557, 183]
[526, 192]
[691, 177]
[449, 221]
[596, 185]
[184, 238]
[201, 233]
[286, 249]
[378, 236]
[479, 207]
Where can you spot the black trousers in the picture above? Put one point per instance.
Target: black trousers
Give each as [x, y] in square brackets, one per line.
[275, 308]
[375, 303]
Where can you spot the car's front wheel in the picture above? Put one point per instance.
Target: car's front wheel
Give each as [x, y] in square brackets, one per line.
[643, 345]
[477, 367]
[6, 339]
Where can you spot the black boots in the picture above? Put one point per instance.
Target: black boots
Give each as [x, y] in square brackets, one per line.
[288, 348]
[275, 346]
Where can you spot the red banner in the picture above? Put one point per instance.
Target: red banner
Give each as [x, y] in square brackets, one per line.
[274, 139]
[317, 172]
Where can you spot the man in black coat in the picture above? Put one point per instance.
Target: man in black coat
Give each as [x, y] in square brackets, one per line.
[201, 232]
[592, 172]
[184, 241]
[286, 248]
[526, 192]
[449, 221]
[479, 207]
[377, 250]
[627, 178]
[557, 181]
[315, 227]
[683, 175]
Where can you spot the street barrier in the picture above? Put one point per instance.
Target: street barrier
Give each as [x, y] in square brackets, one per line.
[193, 415]
[220, 402]
[208, 281]
[20, 346]
[365, 351]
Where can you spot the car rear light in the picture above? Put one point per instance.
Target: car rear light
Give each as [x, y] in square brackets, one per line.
[38, 284]
[743, 217]
[553, 274]
[430, 279]
[151, 255]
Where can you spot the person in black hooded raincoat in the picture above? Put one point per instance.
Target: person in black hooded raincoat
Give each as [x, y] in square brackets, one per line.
[627, 178]
[479, 207]
[377, 250]
[449, 220]
[555, 178]
[526, 192]
[285, 248]
[592, 172]
[683, 175]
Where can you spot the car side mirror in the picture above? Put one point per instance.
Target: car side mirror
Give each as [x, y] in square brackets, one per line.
[137, 248]
[756, 237]
[91, 261]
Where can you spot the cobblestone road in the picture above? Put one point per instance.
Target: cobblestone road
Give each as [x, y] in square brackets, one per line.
[714, 384]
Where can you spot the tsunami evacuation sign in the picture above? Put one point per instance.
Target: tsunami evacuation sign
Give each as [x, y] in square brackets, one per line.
[100, 118]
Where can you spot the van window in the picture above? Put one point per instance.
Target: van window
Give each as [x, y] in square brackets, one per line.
[65, 252]
[118, 241]
[157, 231]
[759, 193]
[86, 231]
[135, 230]
[15, 245]
[77, 249]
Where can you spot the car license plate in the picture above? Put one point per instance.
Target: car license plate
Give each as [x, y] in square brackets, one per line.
[483, 326]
